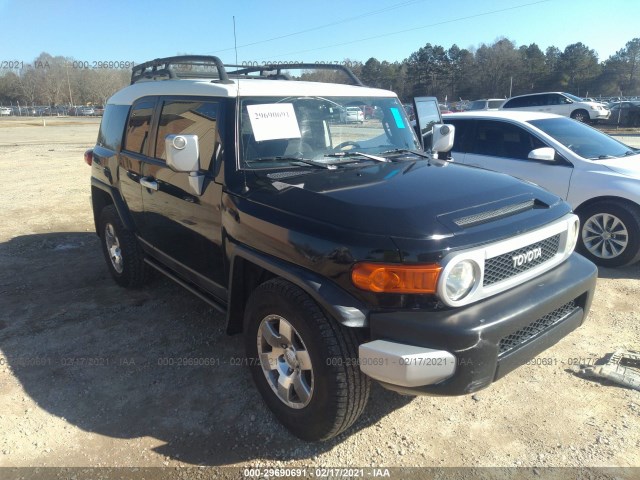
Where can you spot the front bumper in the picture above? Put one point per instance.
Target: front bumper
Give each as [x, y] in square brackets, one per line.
[462, 350]
[599, 114]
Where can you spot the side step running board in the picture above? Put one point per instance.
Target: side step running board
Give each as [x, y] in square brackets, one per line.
[202, 296]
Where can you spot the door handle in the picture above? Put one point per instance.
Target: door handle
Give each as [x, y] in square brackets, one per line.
[149, 182]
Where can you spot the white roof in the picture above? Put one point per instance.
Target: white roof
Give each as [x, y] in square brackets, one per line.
[517, 115]
[242, 88]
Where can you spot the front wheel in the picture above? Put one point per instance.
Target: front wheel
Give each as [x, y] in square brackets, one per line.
[581, 116]
[610, 233]
[303, 363]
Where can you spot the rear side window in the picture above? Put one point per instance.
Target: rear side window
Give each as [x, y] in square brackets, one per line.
[520, 102]
[190, 118]
[138, 126]
[112, 127]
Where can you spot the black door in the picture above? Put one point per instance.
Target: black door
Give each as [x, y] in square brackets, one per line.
[133, 155]
[182, 228]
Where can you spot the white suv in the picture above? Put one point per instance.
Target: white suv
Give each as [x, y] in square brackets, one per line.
[559, 103]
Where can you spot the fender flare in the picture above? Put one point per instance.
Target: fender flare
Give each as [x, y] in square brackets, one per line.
[341, 305]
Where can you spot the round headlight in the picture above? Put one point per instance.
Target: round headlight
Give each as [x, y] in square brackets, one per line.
[461, 280]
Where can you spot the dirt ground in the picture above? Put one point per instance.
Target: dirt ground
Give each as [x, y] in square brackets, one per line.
[95, 375]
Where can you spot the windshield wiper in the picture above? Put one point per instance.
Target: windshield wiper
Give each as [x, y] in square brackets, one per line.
[630, 152]
[356, 154]
[406, 150]
[328, 166]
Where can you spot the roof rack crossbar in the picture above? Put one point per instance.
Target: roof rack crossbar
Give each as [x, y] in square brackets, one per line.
[150, 69]
[278, 67]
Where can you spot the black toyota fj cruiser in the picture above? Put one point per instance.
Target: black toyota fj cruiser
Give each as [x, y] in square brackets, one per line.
[344, 252]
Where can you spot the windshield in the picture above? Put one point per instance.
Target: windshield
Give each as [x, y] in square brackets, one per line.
[582, 139]
[323, 130]
[573, 97]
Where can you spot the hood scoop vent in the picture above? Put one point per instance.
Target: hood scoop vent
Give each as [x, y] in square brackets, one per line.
[290, 174]
[492, 215]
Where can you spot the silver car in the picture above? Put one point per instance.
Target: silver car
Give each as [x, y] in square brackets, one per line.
[598, 175]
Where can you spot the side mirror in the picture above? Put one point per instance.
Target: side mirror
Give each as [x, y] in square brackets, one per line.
[546, 154]
[183, 155]
[443, 136]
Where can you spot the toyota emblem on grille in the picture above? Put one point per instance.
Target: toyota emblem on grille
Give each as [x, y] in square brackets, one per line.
[526, 257]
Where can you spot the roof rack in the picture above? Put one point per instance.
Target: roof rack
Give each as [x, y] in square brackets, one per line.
[150, 71]
[244, 70]
[161, 68]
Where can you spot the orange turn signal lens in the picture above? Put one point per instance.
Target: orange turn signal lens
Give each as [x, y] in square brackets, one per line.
[380, 277]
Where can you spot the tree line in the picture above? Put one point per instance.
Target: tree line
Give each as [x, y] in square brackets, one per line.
[498, 70]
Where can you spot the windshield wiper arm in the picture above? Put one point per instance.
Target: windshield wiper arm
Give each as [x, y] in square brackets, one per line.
[356, 154]
[406, 150]
[328, 166]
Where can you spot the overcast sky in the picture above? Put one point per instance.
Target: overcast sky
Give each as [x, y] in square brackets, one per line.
[311, 30]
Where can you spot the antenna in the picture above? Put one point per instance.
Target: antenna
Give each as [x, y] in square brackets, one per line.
[235, 42]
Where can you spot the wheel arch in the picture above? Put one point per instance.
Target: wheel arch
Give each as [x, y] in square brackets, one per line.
[249, 268]
[103, 195]
[607, 198]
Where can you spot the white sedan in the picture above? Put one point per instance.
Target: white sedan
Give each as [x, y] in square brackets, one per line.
[5, 111]
[598, 175]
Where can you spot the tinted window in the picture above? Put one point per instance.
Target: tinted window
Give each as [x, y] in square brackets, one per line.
[190, 118]
[517, 102]
[138, 127]
[498, 139]
[495, 103]
[464, 130]
[112, 126]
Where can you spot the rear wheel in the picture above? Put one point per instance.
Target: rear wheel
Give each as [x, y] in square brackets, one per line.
[302, 362]
[610, 233]
[122, 252]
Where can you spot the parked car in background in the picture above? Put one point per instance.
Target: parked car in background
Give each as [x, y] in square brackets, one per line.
[5, 111]
[410, 111]
[559, 103]
[624, 114]
[486, 104]
[598, 175]
[353, 115]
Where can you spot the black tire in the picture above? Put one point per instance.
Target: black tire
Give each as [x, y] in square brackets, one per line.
[581, 116]
[126, 265]
[338, 389]
[610, 246]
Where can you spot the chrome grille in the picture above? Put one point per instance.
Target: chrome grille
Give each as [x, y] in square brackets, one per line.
[535, 328]
[502, 267]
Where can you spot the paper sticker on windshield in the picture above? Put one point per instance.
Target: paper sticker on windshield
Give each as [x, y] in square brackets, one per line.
[397, 117]
[272, 121]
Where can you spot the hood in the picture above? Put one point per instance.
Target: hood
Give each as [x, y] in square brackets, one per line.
[629, 166]
[413, 200]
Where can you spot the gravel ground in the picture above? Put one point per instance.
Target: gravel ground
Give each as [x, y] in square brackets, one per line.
[92, 375]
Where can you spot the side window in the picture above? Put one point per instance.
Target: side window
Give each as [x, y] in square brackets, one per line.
[190, 118]
[517, 102]
[536, 100]
[112, 127]
[463, 132]
[555, 99]
[138, 127]
[498, 139]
